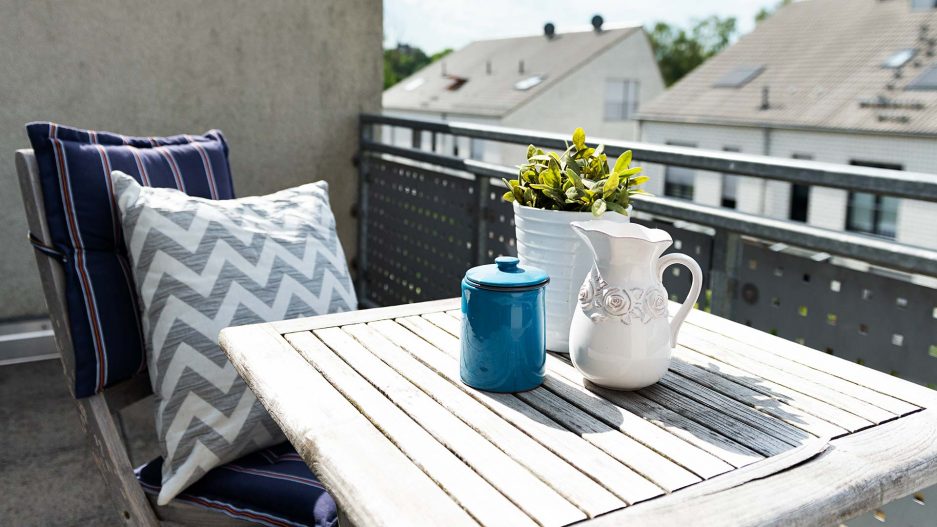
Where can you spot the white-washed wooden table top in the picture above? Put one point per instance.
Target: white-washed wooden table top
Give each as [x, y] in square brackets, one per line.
[745, 429]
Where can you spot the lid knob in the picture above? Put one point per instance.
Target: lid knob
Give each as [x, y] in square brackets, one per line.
[507, 264]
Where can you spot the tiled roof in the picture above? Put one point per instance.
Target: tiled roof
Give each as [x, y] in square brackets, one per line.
[823, 68]
[494, 94]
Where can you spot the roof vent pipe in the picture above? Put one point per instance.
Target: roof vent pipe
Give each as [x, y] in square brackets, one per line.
[520, 66]
[549, 30]
[597, 21]
[765, 99]
[488, 67]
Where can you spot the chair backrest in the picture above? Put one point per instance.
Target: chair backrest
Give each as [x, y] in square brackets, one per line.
[53, 285]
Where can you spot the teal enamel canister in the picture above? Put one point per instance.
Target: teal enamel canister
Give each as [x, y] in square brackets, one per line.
[503, 326]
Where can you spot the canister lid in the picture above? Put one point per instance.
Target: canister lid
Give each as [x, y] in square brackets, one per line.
[506, 273]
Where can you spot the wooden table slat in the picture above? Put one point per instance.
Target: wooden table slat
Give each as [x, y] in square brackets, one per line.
[734, 354]
[811, 405]
[742, 412]
[540, 501]
[645, 460]
[688, 430]
[761, 402]
[855, 373]
[616, 477]
[885, 402]
[482, 500]
[343, 445]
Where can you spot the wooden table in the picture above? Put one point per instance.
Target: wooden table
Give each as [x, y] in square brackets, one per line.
[746, 428]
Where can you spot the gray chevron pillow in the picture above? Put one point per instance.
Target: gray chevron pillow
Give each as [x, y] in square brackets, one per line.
[201, 265]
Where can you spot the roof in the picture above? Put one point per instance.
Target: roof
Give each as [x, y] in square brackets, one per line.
[823, 66]
[494, 94]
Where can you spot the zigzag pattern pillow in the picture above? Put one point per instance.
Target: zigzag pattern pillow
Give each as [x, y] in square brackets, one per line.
[202, 265]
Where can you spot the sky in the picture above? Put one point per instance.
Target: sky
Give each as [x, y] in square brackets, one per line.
[433, 25]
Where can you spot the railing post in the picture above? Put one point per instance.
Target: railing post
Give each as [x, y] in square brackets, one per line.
[726, 254]
[482, 188]
[361, 258]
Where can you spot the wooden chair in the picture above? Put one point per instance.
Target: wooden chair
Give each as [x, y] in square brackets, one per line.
[99, 413]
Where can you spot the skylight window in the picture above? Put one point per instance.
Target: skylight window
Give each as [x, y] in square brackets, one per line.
[926, 81]
[528, 83]
[739, 76]
[899, 58]
[920, 5]
[414, 84]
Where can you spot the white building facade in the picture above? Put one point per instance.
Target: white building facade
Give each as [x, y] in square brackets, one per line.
[597, 80]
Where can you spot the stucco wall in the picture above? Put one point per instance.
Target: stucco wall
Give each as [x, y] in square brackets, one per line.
[826, 206]
[283, 79]
[578, 99]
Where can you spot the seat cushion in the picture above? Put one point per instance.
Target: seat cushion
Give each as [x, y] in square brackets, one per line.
[74, 172]
[272, 487]
[202, 265]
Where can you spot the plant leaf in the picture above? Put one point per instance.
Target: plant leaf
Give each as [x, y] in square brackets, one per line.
[579, 138]
[531, 151]
[623, 161]
[617, 208]
[574, 177]
[508, 196]
[611, 185]
[640, 180]
[598, 207]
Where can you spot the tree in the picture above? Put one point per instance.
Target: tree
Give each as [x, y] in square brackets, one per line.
[678, 51]
[405, 60]
[765, 12]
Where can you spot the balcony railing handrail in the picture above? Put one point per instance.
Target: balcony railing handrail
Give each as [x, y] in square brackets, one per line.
[898, 183]
[886, 253]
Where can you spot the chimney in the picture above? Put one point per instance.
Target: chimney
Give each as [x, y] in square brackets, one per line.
[488, 67]
[520, 66]
[549, 30]
[597, 21]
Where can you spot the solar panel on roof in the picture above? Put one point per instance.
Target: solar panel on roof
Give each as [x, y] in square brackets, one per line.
[925, 81]
[899, 58]
[739, 76]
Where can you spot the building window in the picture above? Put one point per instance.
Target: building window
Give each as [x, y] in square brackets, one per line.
[872, 213]
[678, 181]
[621, 99]
[800, 197]
[730, 184]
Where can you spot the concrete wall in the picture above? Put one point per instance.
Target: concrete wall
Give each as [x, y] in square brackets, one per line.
[827, 206]
[283, 79]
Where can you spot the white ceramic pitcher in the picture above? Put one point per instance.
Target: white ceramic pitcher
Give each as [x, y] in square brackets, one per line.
[621, 336]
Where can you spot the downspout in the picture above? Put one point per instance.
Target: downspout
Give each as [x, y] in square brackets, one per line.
[765, 151]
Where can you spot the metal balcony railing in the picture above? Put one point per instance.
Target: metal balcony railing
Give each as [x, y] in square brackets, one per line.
[426, 216]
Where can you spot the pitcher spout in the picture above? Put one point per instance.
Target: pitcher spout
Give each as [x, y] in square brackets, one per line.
[612, 242]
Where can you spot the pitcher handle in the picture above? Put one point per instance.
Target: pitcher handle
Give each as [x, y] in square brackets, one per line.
[678, 258]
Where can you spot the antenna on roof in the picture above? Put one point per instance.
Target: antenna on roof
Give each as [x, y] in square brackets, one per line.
[549, 30]
[597, 21]
[765, 99]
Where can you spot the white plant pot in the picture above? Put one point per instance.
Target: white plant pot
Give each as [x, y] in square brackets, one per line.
[546, 240]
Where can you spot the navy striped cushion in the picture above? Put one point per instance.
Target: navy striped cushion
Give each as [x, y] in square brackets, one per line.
[74, 169]
[271, 487]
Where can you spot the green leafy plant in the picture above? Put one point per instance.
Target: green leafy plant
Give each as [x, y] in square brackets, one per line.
[579, 180]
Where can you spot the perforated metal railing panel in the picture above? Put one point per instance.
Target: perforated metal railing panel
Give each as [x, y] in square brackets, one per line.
[419, 233]
[885, 323]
